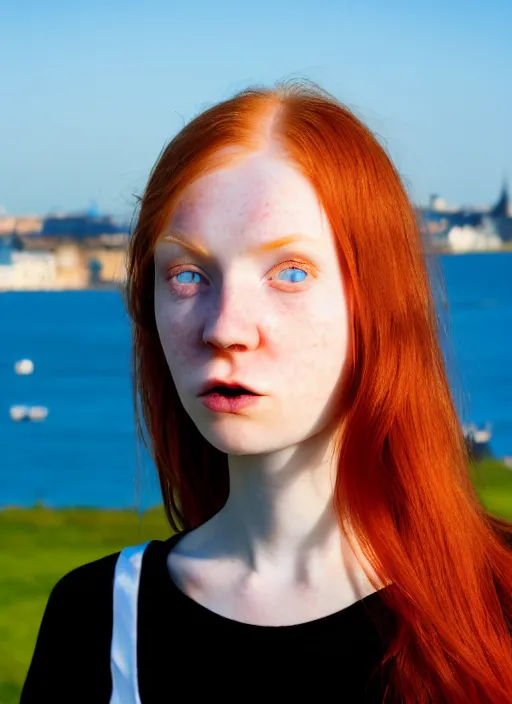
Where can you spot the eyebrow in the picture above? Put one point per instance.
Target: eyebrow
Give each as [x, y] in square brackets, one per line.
[265, 247]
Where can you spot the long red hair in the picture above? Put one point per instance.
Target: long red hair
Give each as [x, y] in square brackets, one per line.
[403, 481]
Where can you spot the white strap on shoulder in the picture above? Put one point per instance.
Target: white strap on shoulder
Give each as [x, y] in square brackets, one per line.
[123, 651]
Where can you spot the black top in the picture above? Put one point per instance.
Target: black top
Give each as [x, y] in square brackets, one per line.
[184, 649]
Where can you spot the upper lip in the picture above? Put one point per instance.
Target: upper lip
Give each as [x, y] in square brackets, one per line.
[211, 383]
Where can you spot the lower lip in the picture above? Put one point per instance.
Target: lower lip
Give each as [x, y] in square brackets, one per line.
[229, 404]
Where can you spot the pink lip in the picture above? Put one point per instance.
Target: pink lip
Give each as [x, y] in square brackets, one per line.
[228, 404]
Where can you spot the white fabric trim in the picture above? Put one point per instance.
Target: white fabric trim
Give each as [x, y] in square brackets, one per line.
[123, 651]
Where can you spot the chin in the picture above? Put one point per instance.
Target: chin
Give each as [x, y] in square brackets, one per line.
[237, 440]
[235, 443]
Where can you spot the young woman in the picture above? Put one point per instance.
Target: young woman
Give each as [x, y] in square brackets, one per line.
[329, 540]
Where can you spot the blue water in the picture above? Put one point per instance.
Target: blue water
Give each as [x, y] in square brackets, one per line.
[85, 452]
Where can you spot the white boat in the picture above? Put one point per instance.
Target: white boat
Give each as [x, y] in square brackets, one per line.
[24, 366]
[18, 413]
[482, 436]
[37, 412]
[478, 440]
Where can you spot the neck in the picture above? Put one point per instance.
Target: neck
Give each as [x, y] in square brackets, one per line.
[279, 513]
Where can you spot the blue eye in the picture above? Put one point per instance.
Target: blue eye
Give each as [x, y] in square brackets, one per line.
[187, 276]
[295, 272]
[188, 273]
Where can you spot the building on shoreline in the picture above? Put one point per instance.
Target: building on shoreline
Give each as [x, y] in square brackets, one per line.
[468, 229]
[61, 252]
[20, 225]
[68, 266]
[27, 271]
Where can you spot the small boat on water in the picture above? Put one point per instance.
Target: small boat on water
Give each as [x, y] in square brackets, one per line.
[24, 367]
[37, 413]
[478, 440]
[34, 413]
[18, 413]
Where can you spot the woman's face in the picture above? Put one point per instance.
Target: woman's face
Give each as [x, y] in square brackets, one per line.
[254, 294]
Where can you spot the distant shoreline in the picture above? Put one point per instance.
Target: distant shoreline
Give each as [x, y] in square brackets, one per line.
[505, 248]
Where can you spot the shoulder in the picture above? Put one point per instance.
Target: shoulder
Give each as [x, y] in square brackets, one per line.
[88, 578]
[86, 591]
[73, 642]
[79, 601]
[97, 576]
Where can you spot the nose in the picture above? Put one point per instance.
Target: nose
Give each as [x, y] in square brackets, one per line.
[233, 324]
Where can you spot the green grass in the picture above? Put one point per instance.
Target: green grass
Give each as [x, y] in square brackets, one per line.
[40, 545]
[37, 547]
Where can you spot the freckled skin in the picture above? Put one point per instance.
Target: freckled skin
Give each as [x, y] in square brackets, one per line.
[246, 319]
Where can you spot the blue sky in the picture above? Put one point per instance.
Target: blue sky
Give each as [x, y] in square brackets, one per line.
[91, 92]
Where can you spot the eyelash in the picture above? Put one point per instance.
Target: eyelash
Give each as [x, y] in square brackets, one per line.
[289, 264]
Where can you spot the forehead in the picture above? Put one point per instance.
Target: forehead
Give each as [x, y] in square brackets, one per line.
[261, 193]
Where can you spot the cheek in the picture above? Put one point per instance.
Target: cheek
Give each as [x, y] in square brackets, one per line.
[317, 346]
[312, 347]
[176, 337]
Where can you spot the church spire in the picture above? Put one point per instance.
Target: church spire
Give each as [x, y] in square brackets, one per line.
[500, 209]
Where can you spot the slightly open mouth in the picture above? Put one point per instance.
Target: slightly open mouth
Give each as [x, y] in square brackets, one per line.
[230, 391]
